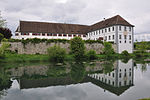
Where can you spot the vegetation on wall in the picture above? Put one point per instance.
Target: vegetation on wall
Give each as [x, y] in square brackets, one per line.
[1, 37]
[77, 48]
[56, 54]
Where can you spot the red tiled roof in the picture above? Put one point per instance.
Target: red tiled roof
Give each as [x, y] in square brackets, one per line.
[44, 27]
[116, 20]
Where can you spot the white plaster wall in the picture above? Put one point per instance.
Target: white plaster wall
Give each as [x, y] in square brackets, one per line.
[125, 46]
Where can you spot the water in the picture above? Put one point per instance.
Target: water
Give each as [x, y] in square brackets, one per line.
[113, 80]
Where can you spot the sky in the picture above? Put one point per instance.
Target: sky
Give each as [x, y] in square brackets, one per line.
[86, 12]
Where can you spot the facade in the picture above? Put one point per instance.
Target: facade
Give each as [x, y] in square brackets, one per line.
[115, 29]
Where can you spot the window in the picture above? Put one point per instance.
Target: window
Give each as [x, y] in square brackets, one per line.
[54, 34]
[102, 31]
[129, 37]
[125, 28]
[60, 35]
[64, 35]
[130, 74]
[119, 75]
[113, 75]
[105, 29]
[119, 36]
[99, 31]
[43, 34]
[125, 36]
[109, 29]
[74, 35]
[113, 36]
[119, 83]
[113, 28]
[120, 41]
[70, 35]
[125, 41]
[130, 29]
[109, 37]
[119, 28]
[49, 34]
[129, 41]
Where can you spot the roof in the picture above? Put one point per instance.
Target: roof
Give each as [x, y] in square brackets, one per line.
[116, 20]
[45, 27]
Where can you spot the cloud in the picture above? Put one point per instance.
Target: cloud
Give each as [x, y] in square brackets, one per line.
[76, 11]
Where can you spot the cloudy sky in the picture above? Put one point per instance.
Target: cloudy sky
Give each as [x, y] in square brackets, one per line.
[87, 12]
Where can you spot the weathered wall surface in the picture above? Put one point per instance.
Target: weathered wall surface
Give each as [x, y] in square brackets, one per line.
[41, 48]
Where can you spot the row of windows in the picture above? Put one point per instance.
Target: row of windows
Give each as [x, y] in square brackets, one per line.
[110, 29]
[50, 34]
[109, 37]
[102, 31]
[125, 37]
[125, 28]
[126, 41]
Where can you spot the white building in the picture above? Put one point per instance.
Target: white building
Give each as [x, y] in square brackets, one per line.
[115, 29]
[142, 37]
[121, 77]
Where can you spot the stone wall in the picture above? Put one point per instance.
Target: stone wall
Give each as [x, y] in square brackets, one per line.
[41, 48]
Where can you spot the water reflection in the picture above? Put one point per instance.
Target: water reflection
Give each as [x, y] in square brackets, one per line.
[116, 81]
[113, 76]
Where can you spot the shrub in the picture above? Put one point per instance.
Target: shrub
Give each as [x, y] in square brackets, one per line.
[3, 48]
[91, 55]
[125, 53]
[6, 32]
[77, 48]
[56, 53]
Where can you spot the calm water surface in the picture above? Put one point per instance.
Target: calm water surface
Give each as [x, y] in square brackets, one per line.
[112, 80]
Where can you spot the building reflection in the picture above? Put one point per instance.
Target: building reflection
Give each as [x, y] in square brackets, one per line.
[115, 77]
[117, 81]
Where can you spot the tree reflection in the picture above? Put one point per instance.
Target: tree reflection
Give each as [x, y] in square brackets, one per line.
[5, 82]
[108, 67]
[77, 71]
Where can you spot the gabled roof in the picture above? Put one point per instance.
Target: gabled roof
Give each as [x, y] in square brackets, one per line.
[116, 20]
[45, 27]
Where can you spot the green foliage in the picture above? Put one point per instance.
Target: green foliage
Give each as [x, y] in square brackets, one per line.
[1, 36]
[91, 55]
[108, 67]
[108, 50]
[56, 53]
[93, 41]
[3, 48]
[77, 48]
[125, 53]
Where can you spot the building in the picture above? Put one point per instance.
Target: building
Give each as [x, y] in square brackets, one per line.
[142, 37]
[115, 29]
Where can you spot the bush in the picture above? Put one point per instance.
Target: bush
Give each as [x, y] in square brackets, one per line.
[56, 53]
[3, 48]
[91, 55]
[77, 48]
[125, 53]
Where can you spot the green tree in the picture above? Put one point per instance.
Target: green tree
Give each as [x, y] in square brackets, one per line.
[77, 48]
[141, 49]
[108, 50]
[3, 48]
[91, 55]
[56, 53]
